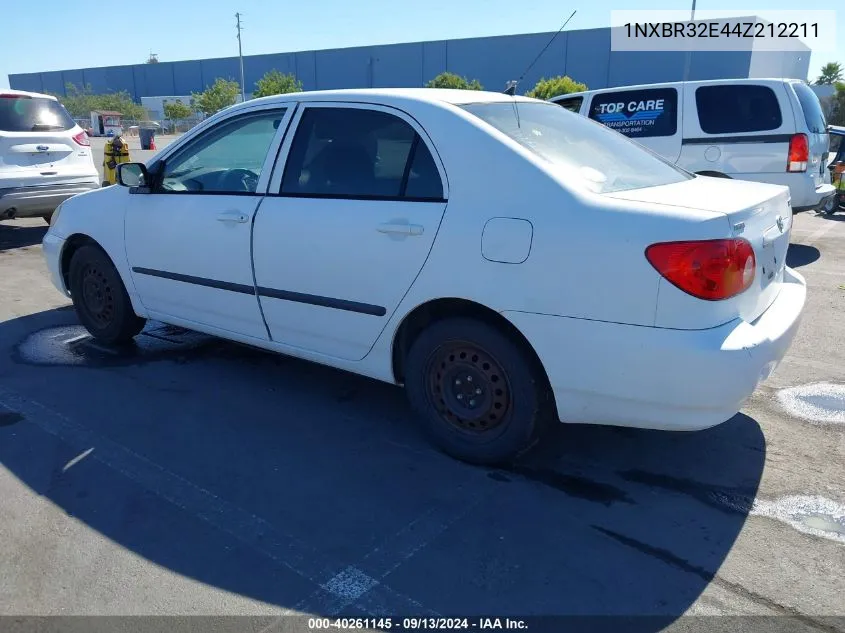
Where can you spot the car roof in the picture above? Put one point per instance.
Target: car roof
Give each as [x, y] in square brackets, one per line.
[395, 96]
[24, 93]
[667, 84]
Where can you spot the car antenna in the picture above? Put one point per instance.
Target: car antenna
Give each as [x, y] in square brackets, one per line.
[511, 86]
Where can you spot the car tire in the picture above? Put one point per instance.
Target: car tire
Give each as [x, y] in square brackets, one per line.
[100, 298]
[478, 395]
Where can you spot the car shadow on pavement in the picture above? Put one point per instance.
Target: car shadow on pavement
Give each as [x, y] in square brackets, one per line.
[19, 236]
[309, 488]
[800, 255]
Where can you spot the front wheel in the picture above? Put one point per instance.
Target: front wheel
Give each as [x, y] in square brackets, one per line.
[100, 298]
[478, 395]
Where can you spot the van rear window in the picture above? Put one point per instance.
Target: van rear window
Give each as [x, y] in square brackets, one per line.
[32, 114]
[638, 113]
[737, 108]
[813, 113]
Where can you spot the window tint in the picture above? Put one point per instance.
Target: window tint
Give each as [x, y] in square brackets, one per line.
[589, 155]
[225, 159]
[572, 104]
[32, 114]
[638, 113]
[813, 113]
[730, 109]
[352, 152]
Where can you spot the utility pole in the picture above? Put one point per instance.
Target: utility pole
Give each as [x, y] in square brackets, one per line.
[692, 15]
[241, 57]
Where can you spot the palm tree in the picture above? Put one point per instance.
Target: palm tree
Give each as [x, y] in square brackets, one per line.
[831, 73]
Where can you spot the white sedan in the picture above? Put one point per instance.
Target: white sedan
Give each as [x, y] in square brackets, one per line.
[507, 261]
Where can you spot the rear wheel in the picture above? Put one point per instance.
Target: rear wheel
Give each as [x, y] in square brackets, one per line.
[100, 298]
[477, 394]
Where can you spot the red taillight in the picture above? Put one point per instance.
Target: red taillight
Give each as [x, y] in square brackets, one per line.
[82, 139]
[799, 153]
[8, 96]
[707, 269]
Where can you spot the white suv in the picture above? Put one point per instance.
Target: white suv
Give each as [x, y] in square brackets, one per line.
[766, 130]
[45, 157]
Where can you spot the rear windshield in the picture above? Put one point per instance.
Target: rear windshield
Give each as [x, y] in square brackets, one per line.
[813, 113]
[32, 114]
[595, 156]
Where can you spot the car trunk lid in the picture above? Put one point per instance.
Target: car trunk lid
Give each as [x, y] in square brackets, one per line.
[756, 212]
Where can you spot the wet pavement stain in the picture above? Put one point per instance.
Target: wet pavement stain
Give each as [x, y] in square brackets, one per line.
[73, 346]
[730, 500]
[571, 485]
[8, 418]
[822, 403]
[813, 515]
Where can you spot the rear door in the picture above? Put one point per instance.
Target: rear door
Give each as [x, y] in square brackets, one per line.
[346, 227]
[812, 116]
[738, 129]
[40, 143]
[648, 116]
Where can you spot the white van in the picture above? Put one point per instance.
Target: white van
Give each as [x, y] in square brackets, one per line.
[767, 130]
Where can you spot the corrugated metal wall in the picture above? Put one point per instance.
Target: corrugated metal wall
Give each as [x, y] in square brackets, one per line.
[584, 55]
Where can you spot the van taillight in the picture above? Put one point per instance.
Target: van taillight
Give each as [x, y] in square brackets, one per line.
[82, 139]
[799, 153]
[706, 269]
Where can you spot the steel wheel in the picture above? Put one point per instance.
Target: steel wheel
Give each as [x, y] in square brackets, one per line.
[468, 388]
[97, 296]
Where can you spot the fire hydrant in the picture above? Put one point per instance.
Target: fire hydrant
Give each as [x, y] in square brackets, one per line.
[116, 151]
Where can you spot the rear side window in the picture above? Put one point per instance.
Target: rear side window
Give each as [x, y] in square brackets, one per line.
[638, 113]
[359, 153]
[736, 109]
[572, 104]
[813, 113]
[32, 114]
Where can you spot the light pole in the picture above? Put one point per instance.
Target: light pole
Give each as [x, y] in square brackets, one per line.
[241, 57]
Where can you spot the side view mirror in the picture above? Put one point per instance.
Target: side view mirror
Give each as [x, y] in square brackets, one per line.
[132, 174]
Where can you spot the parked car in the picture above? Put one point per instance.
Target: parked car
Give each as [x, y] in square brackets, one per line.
[45, 157]
[505, 260]
[765, 130]
[836, 166]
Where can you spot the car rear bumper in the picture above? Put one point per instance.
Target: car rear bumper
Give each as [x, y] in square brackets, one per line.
[646, 377]
[40, 199]
[51, 247]
[803, 191]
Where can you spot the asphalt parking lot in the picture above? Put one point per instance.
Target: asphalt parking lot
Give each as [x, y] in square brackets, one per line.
[188, 475]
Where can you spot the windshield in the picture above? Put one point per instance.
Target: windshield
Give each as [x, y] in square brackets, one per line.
[32, 114]
[600, 159]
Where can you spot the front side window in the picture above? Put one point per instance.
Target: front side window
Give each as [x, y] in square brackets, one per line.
[638, 113]
[226, 159]
[20, 113]
[588, 154]
[737, 109]
[573, 104]
[358, 153]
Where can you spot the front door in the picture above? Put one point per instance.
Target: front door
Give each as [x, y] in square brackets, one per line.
[346, 228]
[188, 240]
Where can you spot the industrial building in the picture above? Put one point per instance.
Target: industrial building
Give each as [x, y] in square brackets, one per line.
[584, 55]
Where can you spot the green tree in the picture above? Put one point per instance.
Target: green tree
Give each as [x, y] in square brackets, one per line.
[837, 108]
[554, 86]
[451, 80]
[221, 94]
[81, 101]
[175, 110]
[276, 83]
[831, 73]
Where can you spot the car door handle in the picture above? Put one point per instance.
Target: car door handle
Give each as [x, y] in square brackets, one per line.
[233, 216]
[397, 228]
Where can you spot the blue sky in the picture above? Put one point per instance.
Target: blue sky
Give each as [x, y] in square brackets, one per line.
[55, 34]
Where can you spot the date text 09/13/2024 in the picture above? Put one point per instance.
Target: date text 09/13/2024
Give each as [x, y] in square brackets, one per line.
[416, 624]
